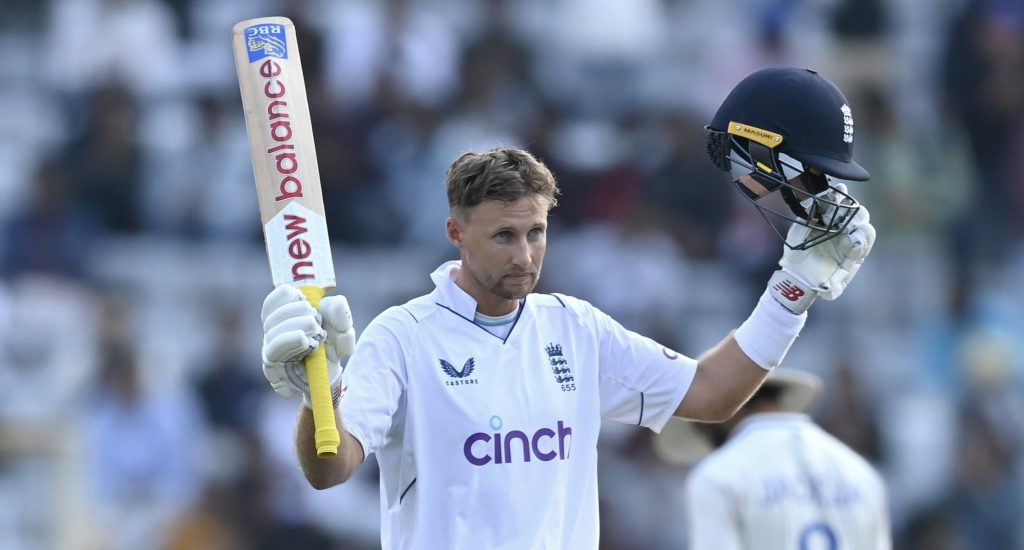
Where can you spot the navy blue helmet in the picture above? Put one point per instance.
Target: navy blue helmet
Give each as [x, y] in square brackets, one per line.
[791, 130]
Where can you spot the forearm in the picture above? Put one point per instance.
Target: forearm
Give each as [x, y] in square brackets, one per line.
[325, 472]
[733, 370]
[726, 378]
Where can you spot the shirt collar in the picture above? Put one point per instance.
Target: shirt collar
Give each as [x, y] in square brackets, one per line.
[448, 294]
[768, 420]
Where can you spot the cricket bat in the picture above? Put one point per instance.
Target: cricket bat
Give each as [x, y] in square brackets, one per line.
[288, 183]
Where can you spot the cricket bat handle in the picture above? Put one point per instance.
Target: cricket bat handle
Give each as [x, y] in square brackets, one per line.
[325, 429]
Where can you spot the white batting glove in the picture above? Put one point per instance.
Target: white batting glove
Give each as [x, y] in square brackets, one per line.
[292, 329]
[824, 269]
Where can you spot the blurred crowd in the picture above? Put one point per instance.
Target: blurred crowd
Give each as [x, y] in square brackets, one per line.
[133, 413]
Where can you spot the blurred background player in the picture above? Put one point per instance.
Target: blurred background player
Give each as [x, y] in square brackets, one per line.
[778, 480]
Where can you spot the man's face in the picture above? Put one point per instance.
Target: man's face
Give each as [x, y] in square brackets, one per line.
[502, 246]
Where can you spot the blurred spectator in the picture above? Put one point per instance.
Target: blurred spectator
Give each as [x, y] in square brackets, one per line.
[686, 191]
[633, 255]
[203, 191]
[972, 342]
[639, 474]
[51, 235]
[349, 513]
[404, 40]
[1015, 184]
[105, 161]
[859, 19]
[205, 525]
[849, 415]
[933, 529]
[140, 454]
[900, 196]
[983, 85]
[360, 208]
[988, 500]
[864, 53]
[91, 43]
[992, 381]
[49, 349]
[230, 389]
[602, 54]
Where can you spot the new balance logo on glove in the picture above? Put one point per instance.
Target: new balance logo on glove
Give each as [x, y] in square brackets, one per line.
[788, 291]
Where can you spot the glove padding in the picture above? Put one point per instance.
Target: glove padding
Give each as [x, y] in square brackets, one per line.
[824, 269]
[292, 329]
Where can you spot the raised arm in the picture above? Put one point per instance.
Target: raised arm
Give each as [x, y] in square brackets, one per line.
[726, 377]
[732, 371]
[323, 473]
[292, 329]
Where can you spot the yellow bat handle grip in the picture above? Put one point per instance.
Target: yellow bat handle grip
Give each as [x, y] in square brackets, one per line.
[326, 430]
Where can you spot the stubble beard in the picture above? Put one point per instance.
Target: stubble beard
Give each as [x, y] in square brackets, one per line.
[498, 288]
[500, 291]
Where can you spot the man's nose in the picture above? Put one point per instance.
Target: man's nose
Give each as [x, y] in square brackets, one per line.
[522, 253]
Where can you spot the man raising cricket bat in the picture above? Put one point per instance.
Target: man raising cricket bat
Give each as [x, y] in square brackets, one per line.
[483, 400]
[292, 210]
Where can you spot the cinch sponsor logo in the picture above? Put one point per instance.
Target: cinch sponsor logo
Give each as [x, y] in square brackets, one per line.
[545, 444]
[266, 41]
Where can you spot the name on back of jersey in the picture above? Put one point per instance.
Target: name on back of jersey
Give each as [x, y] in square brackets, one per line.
[812, 490]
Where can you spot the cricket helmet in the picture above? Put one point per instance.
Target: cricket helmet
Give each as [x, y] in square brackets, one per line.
[791, 130]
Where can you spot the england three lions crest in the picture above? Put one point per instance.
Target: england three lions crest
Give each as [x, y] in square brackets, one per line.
[560, 367]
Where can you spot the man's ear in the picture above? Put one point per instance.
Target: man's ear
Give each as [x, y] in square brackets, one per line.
[453, 229]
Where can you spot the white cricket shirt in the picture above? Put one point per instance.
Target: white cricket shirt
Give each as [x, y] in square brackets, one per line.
[486, 442]
[780, 482]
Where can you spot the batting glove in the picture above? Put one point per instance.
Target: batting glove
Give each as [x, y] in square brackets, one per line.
[824, 269]
[292, 329]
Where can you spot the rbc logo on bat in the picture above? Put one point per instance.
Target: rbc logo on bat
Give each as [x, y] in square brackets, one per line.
[266, 41]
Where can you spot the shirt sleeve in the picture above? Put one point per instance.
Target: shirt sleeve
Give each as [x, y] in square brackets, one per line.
[711, 519]
[375, 380]
[641, 381]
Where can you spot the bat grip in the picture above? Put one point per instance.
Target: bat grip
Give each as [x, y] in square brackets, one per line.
[325, 428]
